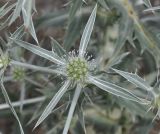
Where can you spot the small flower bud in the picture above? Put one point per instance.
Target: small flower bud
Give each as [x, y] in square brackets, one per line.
[4, 60]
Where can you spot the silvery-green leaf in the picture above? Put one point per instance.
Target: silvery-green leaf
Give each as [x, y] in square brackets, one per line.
[152, 9]
[17, 11]
[27, 12]
[31, 30]
[76, 4]
[147, 3]
[116, 60]
[26, 7]
[5, 23]
[4, 11]
[26, 102]
[18, 33]
[87, 32]
[27, 17]
[147, 41]
[34, 5]
[37, 68]
[135, 107]
[40, 51]
[103, 4]
[115, 90]
[17, 51]
[53, 103]
[10, 105]
[125, 30]
[57, 48]
[134, 79]
[40, 109]
[74, 24]
[72, 108]
[73, 32]
[3, 7]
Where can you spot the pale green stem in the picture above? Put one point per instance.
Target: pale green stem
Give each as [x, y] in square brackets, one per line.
[37, 68]
[25, 102]
[72, 108]
[22, 95]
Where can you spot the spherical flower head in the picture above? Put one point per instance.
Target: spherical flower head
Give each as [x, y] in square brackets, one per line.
[18, 74]
[4, 60]
[77, 69]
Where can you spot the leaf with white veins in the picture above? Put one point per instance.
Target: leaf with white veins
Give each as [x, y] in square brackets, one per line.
[53, 103]
[87, 32]
[17, 11]
[57, 48]
[134, 79]
[116, 90]
[8, 101]
[40, 51]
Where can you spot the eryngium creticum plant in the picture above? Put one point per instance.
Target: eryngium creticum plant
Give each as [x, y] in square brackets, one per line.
[77, 68]
[4, 62]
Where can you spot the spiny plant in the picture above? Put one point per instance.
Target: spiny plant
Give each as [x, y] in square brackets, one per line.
[78, 70]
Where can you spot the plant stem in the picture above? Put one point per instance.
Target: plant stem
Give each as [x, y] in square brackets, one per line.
[25, 102]
[38, 68]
